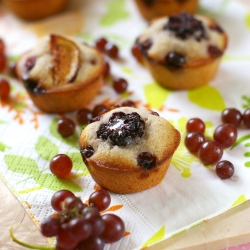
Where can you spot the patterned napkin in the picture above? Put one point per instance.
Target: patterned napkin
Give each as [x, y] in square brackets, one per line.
[190, 192]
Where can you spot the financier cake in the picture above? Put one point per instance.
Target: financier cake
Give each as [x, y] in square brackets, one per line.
[128, 150]
[182, 51]
[151, 9]
[61, 74]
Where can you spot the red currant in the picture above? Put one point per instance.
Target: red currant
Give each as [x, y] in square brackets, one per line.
[58, 197]
[136, 52]
[99, 109]
[100, 199]
[106, 70]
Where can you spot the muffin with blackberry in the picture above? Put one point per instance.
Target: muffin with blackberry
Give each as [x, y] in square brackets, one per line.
[151, 9]
[128, 149]
[182, 51]
[61, 74]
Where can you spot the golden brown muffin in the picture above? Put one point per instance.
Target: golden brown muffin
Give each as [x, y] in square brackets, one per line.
[151, 9]
[35, 9]
[128, 150]
[61, 74]
[182, 51]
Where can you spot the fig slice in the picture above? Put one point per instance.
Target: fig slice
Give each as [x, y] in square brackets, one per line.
[66, 59]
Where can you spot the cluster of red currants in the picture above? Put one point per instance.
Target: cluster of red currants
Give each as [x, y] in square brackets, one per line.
[211, 151]
[120, 85]
[77, 226]
[66, 126]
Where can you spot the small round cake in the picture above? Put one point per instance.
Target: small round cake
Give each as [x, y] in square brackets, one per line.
[182, 51]
[128, 150]
[61, 74]
[151, 9]
[35, 9]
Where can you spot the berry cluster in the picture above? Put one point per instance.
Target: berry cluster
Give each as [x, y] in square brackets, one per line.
[122, 129]
[225, 135]
[185, 25]
[107, 47]
[76, 225]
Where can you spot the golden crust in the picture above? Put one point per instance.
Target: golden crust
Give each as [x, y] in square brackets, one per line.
[33, 10]
[115, 168]
[63, 97]
[165, 8]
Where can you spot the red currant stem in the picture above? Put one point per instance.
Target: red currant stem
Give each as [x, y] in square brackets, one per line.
[28, 245]
[240, 140]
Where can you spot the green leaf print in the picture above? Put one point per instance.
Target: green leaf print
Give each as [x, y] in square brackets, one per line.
[45, 148]
[115, 12]
[155, 95]
[247, 20]
[207, 97]
[71, 140]
[3, 147]
[78, 163]
[240, 200]
[22, 165]
[158, 236]
[182, 159]
[240, 140]
[53, 183]
[214, 14]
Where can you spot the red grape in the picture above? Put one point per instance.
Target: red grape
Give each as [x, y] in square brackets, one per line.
[193, 141]
[61, 165]
[92, 243]
[195, 124]
[120, 85]
[210, 152]
[73, 202]
[50, 226]
[224, 169]
[58, 197]
[4, 89]
[128, 103]
[226, 135]
[80, 228]
[65, 239]
[83, 116]
[99, 109]
[246, 118]
[114, 228]
[100, 199]
[65, 127]
[231, 116]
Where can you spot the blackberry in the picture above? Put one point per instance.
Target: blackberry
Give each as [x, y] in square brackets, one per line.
[185, 26]
[122, 129]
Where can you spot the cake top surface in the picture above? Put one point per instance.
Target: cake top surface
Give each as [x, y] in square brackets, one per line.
[191, 36]
[83, 62]
[155, 135]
